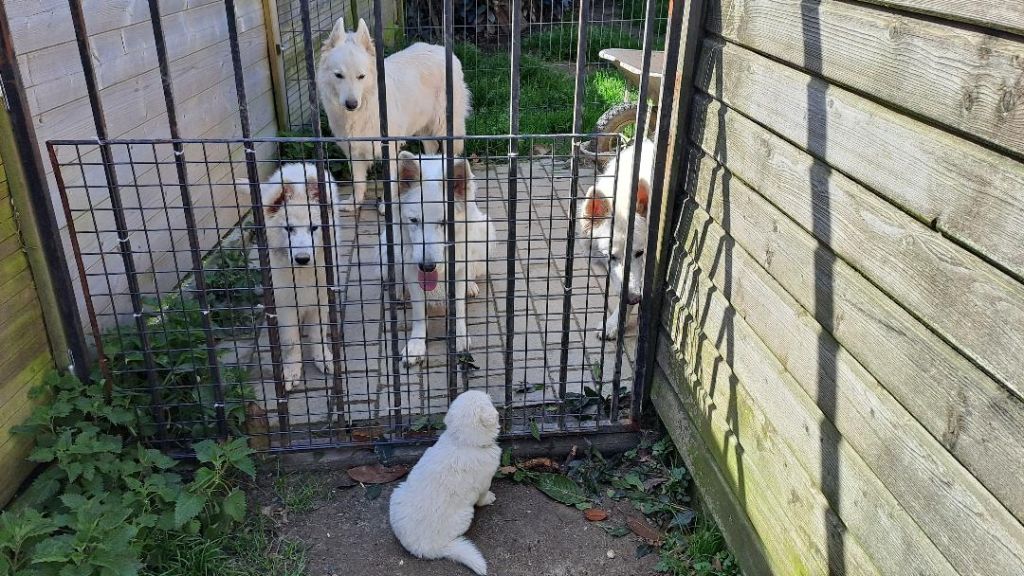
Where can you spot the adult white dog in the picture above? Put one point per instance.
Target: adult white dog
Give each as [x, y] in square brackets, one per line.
[415, 80]
[291, 212]
[433, 508]
[420, 255]
[602, 224]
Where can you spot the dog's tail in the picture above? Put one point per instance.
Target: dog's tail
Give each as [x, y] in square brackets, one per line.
[465, 552]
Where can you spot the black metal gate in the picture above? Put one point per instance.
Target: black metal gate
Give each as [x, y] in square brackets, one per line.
[197, 307]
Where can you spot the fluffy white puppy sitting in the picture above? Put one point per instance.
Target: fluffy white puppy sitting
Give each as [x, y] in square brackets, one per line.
[433, 508]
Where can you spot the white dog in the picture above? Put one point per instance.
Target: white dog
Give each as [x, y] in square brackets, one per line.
[415, 79]
[419, 232]
[603, 222]
[433, 508]
[291, 212]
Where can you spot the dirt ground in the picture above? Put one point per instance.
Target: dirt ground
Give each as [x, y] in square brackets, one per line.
[523, 534]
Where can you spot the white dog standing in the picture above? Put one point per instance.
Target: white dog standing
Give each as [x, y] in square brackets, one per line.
[291, 211]
[419, 234]
[415, 79]
[433, 508]
[603, 222]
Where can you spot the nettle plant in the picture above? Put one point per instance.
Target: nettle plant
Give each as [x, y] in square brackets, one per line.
[106, 505]
[177, 345]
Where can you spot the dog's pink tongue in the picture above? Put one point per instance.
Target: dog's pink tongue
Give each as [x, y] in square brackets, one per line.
[428, 280]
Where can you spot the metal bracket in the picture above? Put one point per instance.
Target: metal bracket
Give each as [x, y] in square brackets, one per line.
[3, 94]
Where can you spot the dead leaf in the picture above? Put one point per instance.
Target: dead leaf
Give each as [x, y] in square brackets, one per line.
[643, 529]
[539, 150]
[543, 463]
[507, 470]
[368, 434]
[652, 483]
[716, 564]
[595, 514]
[377, 474]
[346, 481]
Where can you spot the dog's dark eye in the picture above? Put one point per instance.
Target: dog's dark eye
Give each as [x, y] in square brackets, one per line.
[313, 228]
[361, 76]
[638, 253]
[613, 258]
[339, 75]
[414, 220]
[288, 229]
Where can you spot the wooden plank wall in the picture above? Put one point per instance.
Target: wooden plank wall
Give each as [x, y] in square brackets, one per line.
[842, 348]
[125, 60]
[25, 354]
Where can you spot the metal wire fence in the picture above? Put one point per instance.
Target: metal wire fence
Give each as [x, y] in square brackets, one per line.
[236, 295]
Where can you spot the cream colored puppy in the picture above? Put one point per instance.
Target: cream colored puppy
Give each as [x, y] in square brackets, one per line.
[433, 508]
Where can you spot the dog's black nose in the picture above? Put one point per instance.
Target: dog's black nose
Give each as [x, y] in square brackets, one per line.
[351, 104]
[634, 299]
[427, 266]
[303, 260]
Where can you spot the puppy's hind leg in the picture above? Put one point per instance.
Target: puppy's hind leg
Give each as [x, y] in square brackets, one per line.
[486, 499]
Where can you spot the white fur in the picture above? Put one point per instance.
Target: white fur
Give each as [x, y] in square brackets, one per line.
[433, 508]
[419, 234]
[415, 80]
[291, 210]
[603, 223]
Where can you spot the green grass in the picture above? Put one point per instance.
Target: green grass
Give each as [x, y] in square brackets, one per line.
[558, 43]
[546, 100]
[299, 493]
[252, 550]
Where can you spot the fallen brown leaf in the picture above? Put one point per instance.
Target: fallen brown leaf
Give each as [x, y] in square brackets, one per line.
[377, 474]
[535, 463]
[643, 529]
[507, 469]
[595, 514]
[539, 150]
[651, 483]
[368, 434]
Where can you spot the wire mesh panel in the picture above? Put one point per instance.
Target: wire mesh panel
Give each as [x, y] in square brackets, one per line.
[533, 311]
[277, 299]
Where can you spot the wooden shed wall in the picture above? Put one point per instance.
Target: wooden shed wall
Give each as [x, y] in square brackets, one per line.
[25, 352]
[125, 60]
[842, 348]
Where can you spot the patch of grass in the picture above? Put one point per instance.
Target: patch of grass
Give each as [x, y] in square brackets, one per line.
[253, 550]
[299, 493]
[634, 10]
[558, 43]
[546, 100]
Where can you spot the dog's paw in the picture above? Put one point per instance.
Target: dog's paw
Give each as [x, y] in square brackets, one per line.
[472, 289]
[325, 364]
[292, 375]
[487, 499]
[414, 352]
[608, 334]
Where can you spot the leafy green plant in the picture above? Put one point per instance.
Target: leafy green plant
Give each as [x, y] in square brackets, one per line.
[185, 389]
[653, 479]
[231, 288]
[106, 504]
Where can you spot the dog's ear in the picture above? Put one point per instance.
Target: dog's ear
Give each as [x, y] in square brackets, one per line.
[274, 196]
[595, 207]
[363, 36]
[462, 175]
[643, 197]
[487, 418]
[337, 35]
[408, 170]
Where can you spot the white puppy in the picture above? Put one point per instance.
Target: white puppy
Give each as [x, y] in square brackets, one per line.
[603, 222]
[291, 212]
[415, 78]
[419, 234]
[433, 508]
